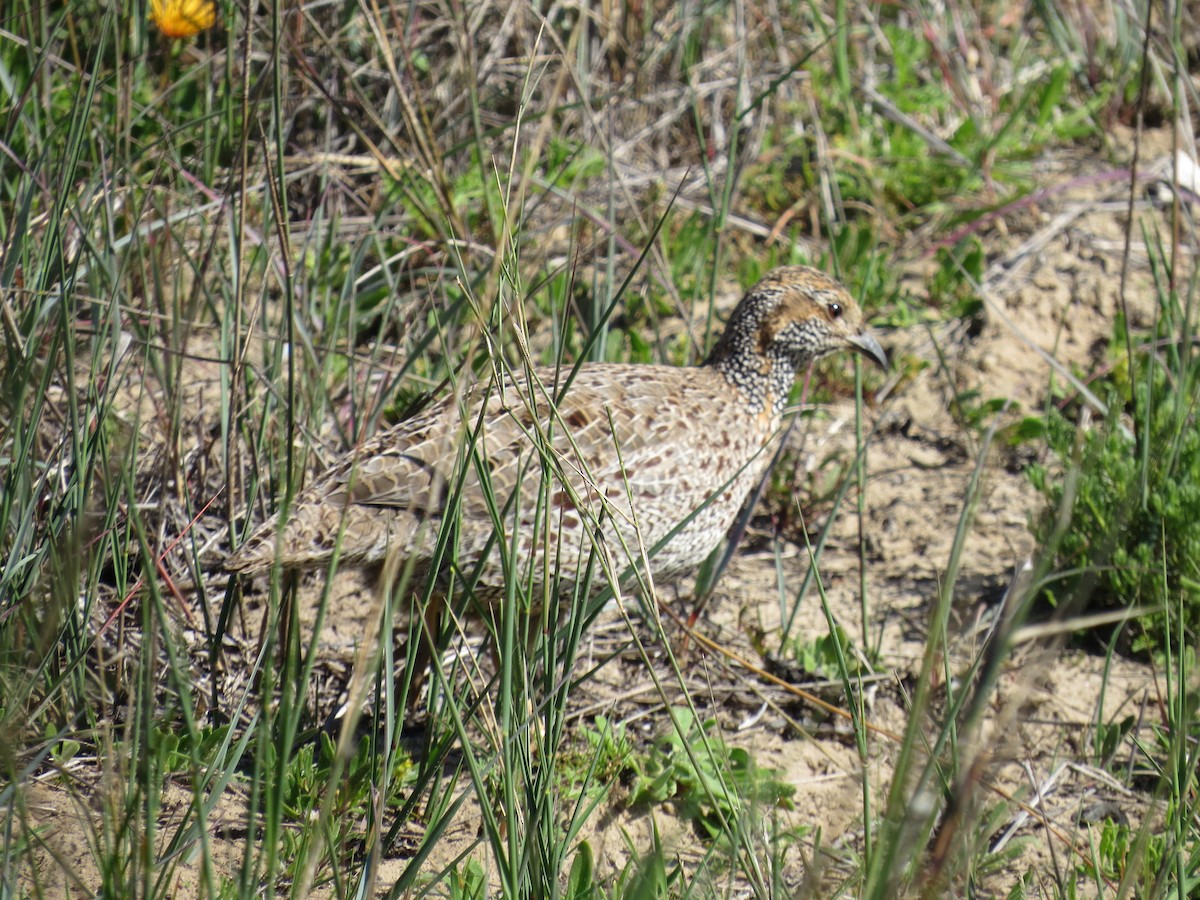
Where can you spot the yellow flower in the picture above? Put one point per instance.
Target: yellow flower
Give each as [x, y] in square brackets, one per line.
[183, 18]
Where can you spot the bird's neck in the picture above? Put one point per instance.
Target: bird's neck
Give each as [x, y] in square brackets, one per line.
[762, 380]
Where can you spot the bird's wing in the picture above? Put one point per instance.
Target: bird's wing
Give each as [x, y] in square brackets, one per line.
[622, 443]
[606, 436]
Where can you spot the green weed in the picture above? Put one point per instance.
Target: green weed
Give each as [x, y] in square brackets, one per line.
[710, 782]
[1134, 538]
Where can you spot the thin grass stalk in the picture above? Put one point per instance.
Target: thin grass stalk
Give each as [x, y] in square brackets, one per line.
[864, 608]
[1181, 755]
[383, 751]
[1173, 784]
[458, 713]
[972, 707]
[731, 826]
[364, 672]
[841, 48]
[912, 806]
[789, 620]
[724, 203]
[1177, 773]
[179, 679]
[209, 786]
[736, 835]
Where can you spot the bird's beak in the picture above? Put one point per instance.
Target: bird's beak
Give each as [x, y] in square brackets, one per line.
[865, 343]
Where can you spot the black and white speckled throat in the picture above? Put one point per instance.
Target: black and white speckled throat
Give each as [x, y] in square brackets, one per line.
[764, 376]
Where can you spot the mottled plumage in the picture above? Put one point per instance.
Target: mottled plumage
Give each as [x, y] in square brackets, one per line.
[633, 449]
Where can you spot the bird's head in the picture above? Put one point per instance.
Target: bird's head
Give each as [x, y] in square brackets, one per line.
[793, 316]
[799, 314]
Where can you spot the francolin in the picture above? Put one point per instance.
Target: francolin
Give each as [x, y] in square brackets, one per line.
[633, 452]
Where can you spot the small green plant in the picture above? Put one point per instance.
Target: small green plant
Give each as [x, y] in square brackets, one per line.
[592, 771]
[1115, 852]
[63, 749]
[307, 778]
[612, 748]
[952, 286]
[172, 748]
[819, 657]
[581, 882]
[891, 167]
[1110, 736]
[469, 883]
[1134, 537]
[709, 781]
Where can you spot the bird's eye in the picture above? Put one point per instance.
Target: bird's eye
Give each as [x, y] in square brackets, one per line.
[835, 310]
